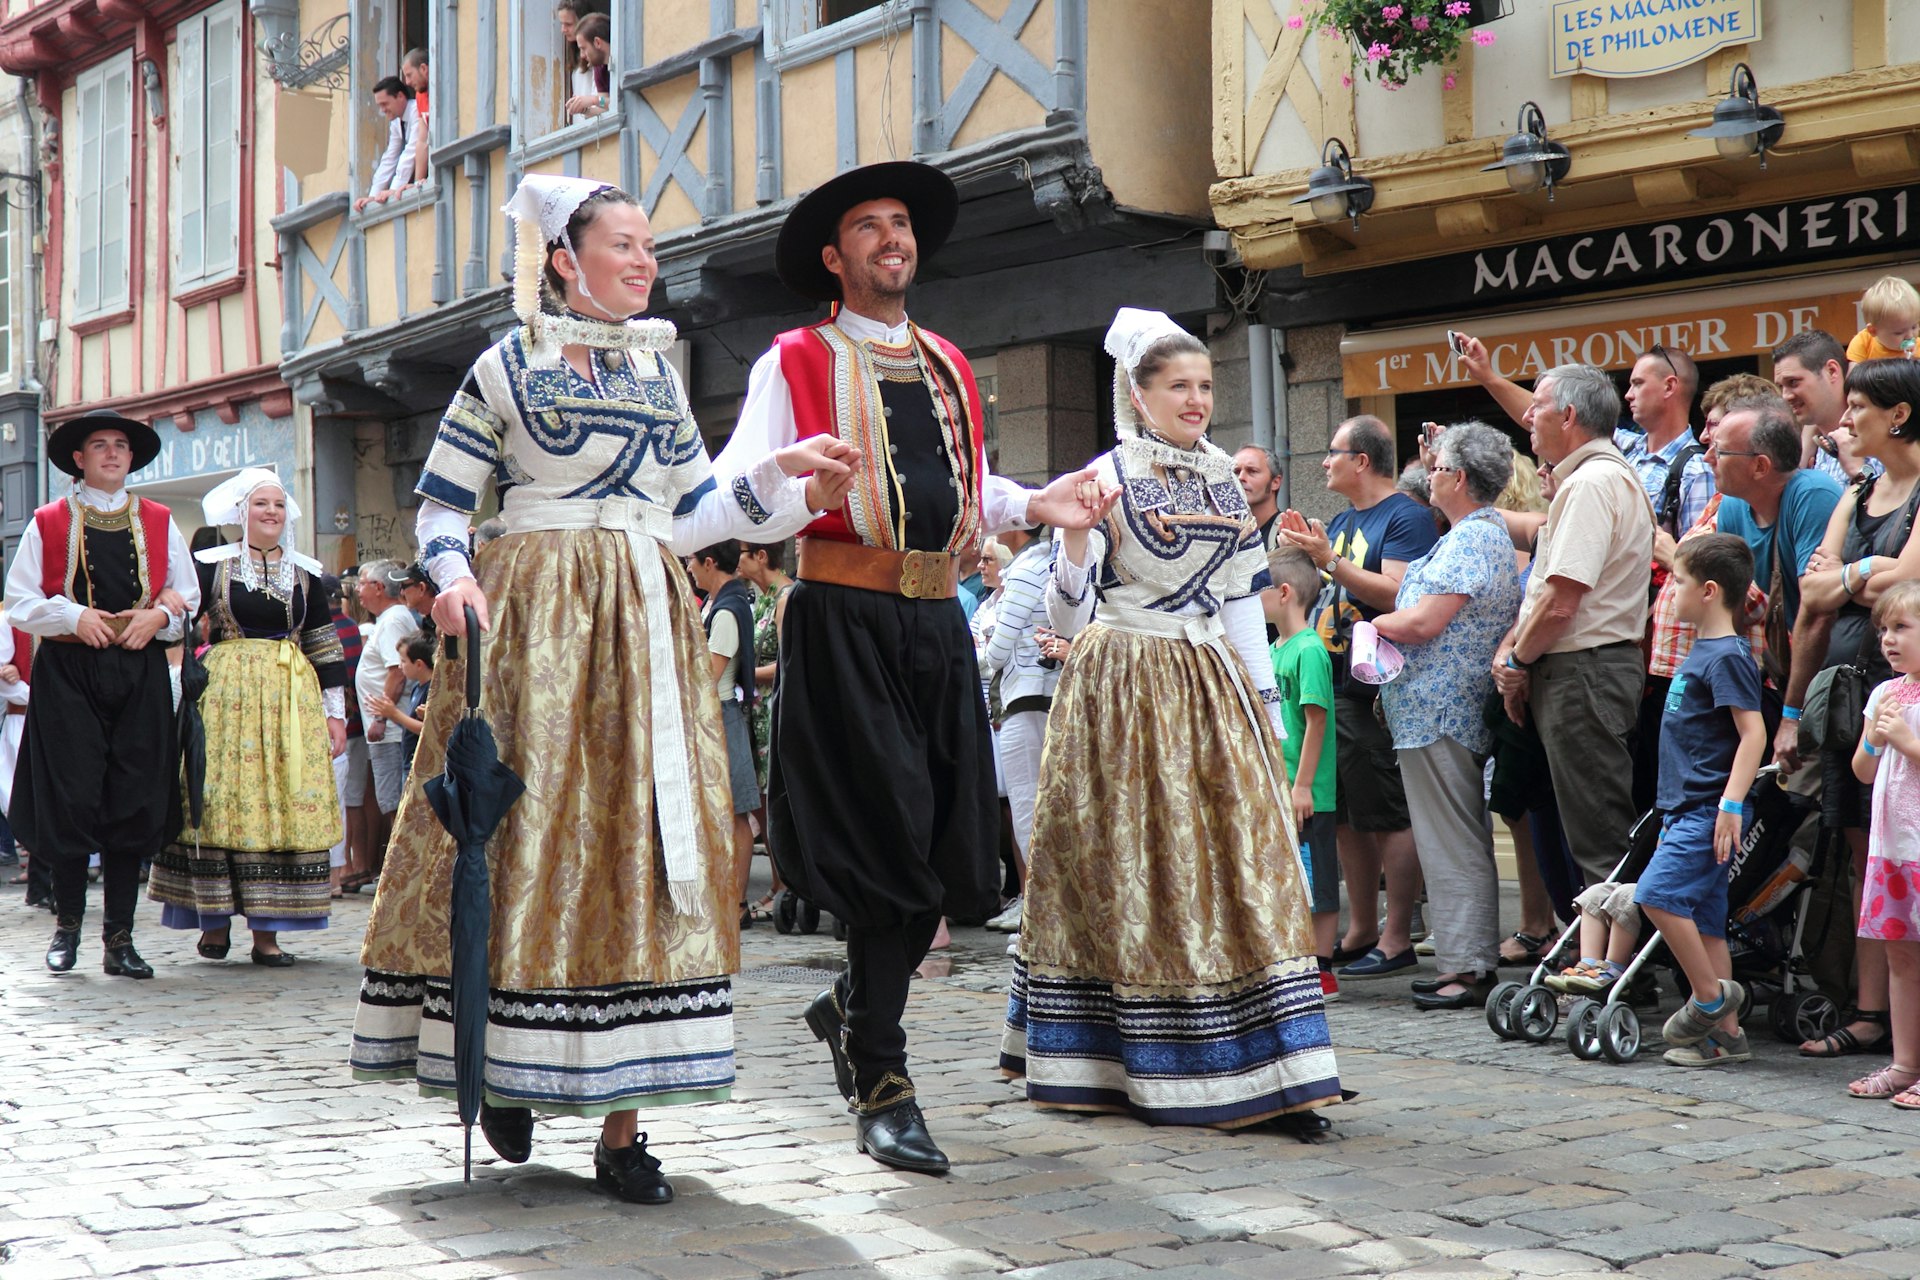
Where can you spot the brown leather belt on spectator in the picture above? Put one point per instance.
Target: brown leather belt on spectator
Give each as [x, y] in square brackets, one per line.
[917, 575]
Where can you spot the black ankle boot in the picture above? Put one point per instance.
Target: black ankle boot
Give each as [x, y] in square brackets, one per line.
[827, 1022]
[888, 1126]
[630, 1173]
[508, 1130]
[64, 950]
[122, 961]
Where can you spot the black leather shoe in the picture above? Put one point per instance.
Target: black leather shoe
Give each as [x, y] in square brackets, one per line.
[630, 1173]
[1307, 1126]
[1427, 986]
[274, 960]
[898, 1137]
[1473, 995]
[828, 1023]
[508, 1130]
[122, 961]
[64, 950]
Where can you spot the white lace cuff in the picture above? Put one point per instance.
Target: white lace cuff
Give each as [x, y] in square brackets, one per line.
[334, 702]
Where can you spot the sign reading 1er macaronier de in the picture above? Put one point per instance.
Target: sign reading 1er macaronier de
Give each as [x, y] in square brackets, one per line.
[1645, 37]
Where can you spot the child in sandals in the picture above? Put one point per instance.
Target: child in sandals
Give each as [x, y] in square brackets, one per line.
[1609, 931]
[1711, 741]
[1890, 895]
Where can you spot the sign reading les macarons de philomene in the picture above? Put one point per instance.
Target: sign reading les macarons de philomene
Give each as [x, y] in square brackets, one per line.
[1645, 37]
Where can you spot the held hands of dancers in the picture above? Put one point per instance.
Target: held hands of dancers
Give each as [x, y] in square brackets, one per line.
[1073, 504]
[832, 462]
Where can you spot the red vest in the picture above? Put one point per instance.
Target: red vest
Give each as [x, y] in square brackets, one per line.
[816, 377]
[55, 521]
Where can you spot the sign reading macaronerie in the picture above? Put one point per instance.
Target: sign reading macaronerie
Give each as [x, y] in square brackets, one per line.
[1645, 37]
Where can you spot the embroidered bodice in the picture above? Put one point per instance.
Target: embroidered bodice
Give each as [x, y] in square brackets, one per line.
[280, 601]
[1182, 538]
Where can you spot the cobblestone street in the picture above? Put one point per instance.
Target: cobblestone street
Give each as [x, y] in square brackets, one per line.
[204, 1124]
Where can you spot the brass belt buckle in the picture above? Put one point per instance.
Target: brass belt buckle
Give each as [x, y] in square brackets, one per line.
[919, 572]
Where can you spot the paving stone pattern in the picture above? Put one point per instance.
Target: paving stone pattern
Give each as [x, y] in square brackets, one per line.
[204, 1124]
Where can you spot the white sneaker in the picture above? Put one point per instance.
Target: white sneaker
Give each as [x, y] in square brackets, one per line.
[1008, 921]
[1013, 945]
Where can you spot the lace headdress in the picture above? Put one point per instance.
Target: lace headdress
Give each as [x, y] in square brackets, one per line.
[1128, 338]
[541, 208]
[226, 504]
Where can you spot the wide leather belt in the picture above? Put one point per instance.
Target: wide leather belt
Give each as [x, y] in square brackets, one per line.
[115, 624]
[917, 575]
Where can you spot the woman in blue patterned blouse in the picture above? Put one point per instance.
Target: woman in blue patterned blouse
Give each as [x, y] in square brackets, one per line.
[1454, 605]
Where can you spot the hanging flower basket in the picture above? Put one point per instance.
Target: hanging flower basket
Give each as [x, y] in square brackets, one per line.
[1394, 40]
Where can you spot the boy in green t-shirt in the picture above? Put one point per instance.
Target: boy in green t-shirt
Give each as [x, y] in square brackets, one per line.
[1305, 676]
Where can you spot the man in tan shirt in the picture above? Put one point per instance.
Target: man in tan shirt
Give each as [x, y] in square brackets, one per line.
[1575, 652]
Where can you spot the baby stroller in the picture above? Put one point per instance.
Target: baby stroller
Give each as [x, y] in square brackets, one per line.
[1771, 872]
[794, 914]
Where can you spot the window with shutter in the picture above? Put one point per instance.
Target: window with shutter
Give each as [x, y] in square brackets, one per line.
[103, 97]
[207, 85]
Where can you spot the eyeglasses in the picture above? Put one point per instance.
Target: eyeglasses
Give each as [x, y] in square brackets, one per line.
[1349, 452]
[1718, 452]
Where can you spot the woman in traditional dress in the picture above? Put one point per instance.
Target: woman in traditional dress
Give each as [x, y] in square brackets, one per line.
[614, 920]
[1166, 961]
[275, 714]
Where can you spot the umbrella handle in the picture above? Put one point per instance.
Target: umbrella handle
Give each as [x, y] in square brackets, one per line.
[473, 659]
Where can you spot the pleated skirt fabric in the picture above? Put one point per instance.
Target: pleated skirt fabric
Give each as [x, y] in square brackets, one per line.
[603, 997]
[1166, 963]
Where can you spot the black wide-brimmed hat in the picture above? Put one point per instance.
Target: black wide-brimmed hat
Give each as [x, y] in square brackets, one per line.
[930, 197]
[67, 438]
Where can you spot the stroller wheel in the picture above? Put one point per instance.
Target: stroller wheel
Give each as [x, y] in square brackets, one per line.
[1619, 1033]
[785, 908]
[839, 929]
[1583, 1029]
[808, 918]
[1804, 1015]
[1536, 1012]
[1500, 1008]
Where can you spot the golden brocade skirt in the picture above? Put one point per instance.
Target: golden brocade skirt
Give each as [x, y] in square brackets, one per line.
[270, 809]
[603, 996]
[1166, 960]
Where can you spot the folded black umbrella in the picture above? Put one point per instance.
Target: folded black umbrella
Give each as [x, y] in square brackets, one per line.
[470, 797]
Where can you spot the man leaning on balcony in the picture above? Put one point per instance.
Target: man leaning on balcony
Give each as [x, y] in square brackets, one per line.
[394, 173]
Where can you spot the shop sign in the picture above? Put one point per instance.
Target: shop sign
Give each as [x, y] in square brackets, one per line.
[1704, 332]
[1645, 37]
[1709, 244]
[214, 447]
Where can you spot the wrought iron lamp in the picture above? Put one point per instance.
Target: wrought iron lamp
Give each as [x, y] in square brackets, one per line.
[1531, 159]
[1334, 190]
[1742, 124]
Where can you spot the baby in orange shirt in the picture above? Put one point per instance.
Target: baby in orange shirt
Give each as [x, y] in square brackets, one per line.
[1891, 308]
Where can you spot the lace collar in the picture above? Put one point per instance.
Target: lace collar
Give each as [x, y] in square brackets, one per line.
[1213, 464]
[573, 329]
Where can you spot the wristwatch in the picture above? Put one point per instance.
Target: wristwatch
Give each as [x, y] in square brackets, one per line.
[1515, 662]
[1333, 561]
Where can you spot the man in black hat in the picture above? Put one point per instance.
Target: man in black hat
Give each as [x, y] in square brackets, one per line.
[881, 794]
[100, 576]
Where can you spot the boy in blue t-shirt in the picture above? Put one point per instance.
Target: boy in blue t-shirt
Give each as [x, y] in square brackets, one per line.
[1711, 742]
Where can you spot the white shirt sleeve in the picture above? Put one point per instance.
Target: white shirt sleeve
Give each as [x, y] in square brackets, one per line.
[27, 608]
[1003, 504]
[183, 578]
[1070, 587]
[410, 130]
[333, 703]
[751, 497]
[11, 691]
[389, 163]
[724, 639]
[436, 521]
[1246, 628]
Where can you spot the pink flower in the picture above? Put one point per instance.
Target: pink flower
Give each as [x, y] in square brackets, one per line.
[1391, 85]
[1422, 22]
[1391, 12]
[1484, 38]
[1458, 9]
[1346, 82]
[1377, 51]
[1296, 22]
[1450, 81]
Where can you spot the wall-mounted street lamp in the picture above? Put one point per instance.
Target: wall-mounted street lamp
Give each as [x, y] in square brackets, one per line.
[1741, 125]
[1334, 191]
[1532, 159]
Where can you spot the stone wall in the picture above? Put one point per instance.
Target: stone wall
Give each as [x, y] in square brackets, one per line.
[1047, 407]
